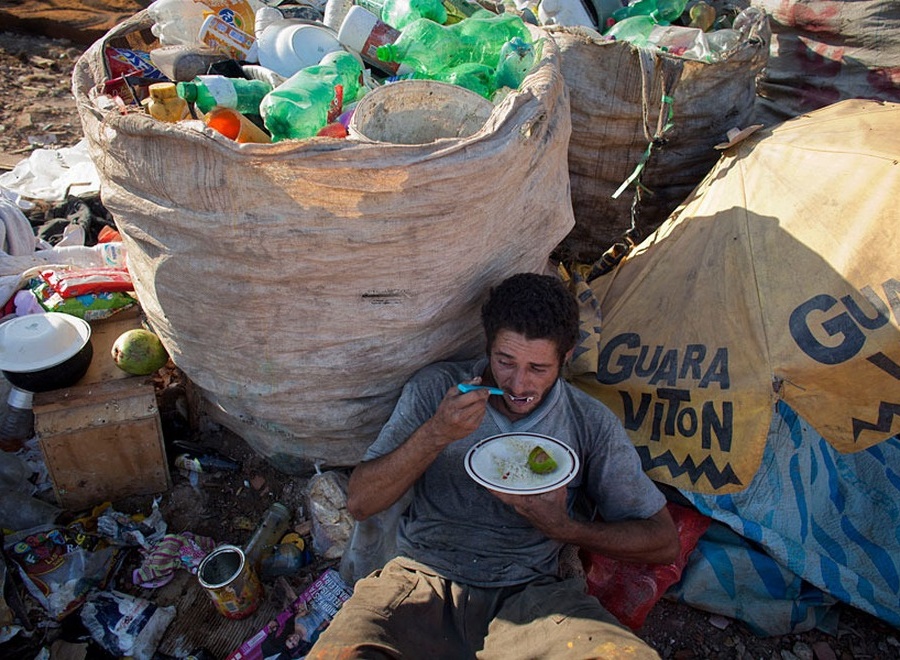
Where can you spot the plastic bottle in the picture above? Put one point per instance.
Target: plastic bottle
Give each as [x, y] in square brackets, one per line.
[662, 11]
[313, 97]
[179, 21]
[206, 92]
[183, 63]
[284, 559]
[485, 35]
[274, 525]
[400, 13]
[164, 104]
[458, 10]
[478, 78]
[363, 32]
[634, 29]
[516, 61]
[235, 126]
[17, 424]
[426, 47]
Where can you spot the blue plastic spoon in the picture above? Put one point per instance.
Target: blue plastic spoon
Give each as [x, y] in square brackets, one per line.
[467, 387]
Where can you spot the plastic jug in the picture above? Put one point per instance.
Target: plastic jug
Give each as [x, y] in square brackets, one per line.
[179, 21]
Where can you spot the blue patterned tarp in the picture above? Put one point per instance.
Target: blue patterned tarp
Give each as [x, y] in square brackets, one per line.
[833, 519]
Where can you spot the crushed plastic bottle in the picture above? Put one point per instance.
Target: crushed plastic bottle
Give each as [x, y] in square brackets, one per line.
[427, 47]
[312, 98]
[400, 13]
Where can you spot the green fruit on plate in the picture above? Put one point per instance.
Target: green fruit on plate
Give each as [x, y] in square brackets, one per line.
[540, 462]
[139, 352]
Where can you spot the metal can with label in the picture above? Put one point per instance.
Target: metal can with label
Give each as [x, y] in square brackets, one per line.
[230, 581]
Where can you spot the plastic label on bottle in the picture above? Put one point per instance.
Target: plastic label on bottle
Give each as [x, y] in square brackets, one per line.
[221, 89]
[225, 37]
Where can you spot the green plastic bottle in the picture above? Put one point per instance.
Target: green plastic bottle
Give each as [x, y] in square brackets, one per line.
[426, 47]
[634, 29]
[516, 61]
[485, 34]
[206, 92]
[400, 13]
[661, 11]
[476, 77]
[313, 97]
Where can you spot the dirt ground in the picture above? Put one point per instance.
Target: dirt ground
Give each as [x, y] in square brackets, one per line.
[37, 110]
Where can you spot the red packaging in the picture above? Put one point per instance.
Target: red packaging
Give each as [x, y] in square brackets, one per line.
[84, 281]
[125, 62]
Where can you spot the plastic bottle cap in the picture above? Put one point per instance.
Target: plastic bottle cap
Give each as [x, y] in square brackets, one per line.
[164, 90]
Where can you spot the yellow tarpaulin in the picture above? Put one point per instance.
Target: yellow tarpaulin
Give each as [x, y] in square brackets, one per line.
[779, 277]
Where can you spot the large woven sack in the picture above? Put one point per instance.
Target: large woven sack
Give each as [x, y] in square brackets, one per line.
[618, 100]
[825, 51]
[300, 284]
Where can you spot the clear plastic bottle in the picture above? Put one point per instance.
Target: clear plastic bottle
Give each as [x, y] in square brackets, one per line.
[207, 92]
[274, 525]
[312, 98]
[400, 13]
[164, 104]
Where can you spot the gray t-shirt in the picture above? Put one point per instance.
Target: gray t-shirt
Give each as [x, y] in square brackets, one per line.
[457, 527]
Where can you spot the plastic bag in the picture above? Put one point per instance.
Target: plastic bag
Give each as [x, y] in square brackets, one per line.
[629, 590]
[331, 522]
[125, 625]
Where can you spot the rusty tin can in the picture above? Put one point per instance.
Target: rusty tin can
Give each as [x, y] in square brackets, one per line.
[230, 581]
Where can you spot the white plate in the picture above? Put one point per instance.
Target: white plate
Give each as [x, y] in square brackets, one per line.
[501, 463]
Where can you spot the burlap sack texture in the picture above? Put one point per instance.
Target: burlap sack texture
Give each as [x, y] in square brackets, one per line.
[300, 284]
[617, 93]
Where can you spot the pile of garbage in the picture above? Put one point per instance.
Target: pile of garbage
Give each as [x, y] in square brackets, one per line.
[256, 74]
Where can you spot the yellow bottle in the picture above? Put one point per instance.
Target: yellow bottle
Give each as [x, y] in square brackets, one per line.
[164, 103]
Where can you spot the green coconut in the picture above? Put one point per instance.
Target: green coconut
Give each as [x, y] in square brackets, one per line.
[139, 352]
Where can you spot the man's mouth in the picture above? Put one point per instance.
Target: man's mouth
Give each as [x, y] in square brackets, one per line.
[520, 399]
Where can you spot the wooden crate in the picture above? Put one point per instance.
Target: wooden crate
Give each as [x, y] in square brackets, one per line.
[102, 438]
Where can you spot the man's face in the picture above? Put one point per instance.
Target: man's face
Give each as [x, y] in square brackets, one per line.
[525, 369]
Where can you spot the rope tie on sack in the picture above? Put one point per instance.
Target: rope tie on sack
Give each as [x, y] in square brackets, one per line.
[668, 72]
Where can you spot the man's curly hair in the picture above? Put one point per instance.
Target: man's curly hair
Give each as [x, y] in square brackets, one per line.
[535, 306]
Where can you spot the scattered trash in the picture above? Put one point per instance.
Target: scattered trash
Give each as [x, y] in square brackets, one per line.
[125, 625]
[171, 552]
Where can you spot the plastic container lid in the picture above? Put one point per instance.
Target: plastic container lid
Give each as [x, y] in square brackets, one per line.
[39, 341]
[287, 46]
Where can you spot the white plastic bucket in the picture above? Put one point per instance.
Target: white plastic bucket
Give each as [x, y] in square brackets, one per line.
[418, 112]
